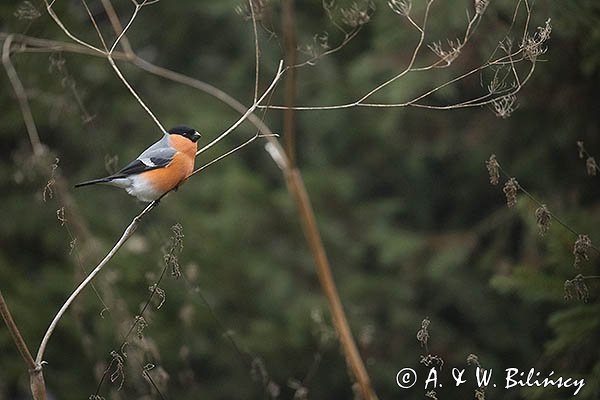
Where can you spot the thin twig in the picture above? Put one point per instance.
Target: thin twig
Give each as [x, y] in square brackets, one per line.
[32, 131]
[36, 377]
[108, 54]
[539, 203]
[295, 186]
[313, 237]
[124, 237]
[66, 31]
[256, 52]
[15, 333]
[250, 110]
[289, 24]
[228, 153]
[422, 29]
[117, 27]
[471, 26]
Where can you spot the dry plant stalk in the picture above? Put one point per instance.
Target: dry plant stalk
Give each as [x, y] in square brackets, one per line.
[292, 174]
[36, 376]
[500, 97]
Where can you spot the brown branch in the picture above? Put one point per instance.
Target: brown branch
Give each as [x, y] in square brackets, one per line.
[313, 237]
[34, 137]
[124, 237]
[289, 24]
[116, 25]
[36, 377]
[295, 187]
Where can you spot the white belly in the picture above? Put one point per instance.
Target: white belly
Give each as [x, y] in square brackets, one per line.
[137, 186]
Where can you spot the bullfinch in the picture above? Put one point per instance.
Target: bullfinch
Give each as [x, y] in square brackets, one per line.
[161, 168]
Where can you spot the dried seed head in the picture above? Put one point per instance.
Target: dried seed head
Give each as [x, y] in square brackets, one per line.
[493, 168]
[580, 249]
[162, 295]
[111, 163]
[26, 11]
[431, 395]
[431, 359]
[447, 55]
[591, 166]
[423, 333]
[480, 393]
[581, 149]
[116, 366]
[358, 14]
[472, 359]
[504, 106]
[510, 190]
[499, 82]
[324, 332]
[259, 8]
[576, 289]
[60, 215]
[141, 324]
[400, 7]
[543, 219]
[534, 45]
[481, 6]
[175, 246]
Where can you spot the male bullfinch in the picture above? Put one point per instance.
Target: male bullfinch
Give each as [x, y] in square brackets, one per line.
[160, 168]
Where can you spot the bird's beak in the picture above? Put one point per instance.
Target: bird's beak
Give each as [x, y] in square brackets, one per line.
[196, 136]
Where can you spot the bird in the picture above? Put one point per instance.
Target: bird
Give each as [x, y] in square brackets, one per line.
[161, 168]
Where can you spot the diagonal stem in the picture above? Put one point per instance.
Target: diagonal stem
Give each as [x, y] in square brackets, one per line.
[126, 235]
[36, 378]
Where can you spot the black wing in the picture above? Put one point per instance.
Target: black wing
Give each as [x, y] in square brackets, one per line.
[138, 166]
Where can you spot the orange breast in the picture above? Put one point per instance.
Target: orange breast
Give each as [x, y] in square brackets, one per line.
[183, 145]
[167, 178]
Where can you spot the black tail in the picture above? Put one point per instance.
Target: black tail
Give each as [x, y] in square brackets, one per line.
[94, 181]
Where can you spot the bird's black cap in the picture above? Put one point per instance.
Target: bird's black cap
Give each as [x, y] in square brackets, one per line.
[186, 132]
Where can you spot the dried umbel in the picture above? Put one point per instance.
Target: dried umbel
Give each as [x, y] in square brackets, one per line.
[581, 149]
[472, 359]
[431, 395]
[432, 359]
[543, 219]
[511, 187]
[423, 333]
[446, 55]
[493, 168]
[591, 166]
[534, 45]
[400, 7]
[481, 6]
[480, 393]
[258, 8]
[504, 106]
[358, 14]
[27, 11]
[140, 325]
[576, 289]
[580, 249]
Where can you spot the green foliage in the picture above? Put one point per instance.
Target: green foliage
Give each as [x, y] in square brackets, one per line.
[410, 223]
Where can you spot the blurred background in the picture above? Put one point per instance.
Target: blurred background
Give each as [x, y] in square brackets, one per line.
[410, 222]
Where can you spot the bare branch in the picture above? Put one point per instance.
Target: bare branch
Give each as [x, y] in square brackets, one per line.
[32, 131]
[445, 59]
[107, 53]
[117, 27]
[66, 31]
[278, 75]
[256, 52]
[124, 237]
[36, 378]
